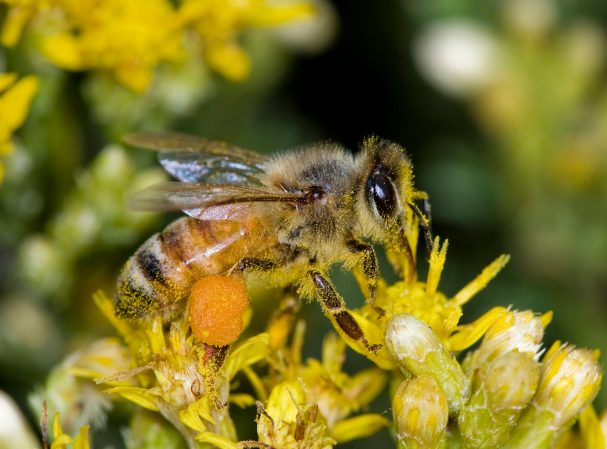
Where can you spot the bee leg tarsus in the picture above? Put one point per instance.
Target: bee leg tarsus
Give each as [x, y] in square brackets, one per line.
[380, 312]
[373, 348]
[335, 306]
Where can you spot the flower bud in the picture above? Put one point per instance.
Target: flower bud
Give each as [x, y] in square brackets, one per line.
[420, 413]
[513, 332]
[505, 389]
[570, 380]
[419, 352]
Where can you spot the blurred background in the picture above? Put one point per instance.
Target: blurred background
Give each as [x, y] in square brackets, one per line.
[502, 106]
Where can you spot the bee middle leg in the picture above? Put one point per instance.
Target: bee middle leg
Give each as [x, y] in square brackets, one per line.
[335, 306]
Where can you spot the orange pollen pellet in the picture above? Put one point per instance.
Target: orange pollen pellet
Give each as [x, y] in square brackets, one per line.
[216, 308]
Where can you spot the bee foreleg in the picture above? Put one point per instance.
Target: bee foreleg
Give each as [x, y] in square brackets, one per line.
[335, 306]
[366, 271]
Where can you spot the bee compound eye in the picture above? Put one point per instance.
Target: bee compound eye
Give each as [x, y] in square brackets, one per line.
[382, 194]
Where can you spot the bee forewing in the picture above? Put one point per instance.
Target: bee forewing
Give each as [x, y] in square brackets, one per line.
[195, 159]
[173, 196]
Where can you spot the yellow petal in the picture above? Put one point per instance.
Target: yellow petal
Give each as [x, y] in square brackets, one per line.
[193, 415]
[242, 400]
[136, 78]
[64, 50]
[360, 426]
[436, 265]
[276, 15]
[13, 24]
[251, 351]
[57, 430]
[286, 400]
[469, 334]
[230, 60]
[139, 396]
[365, 385]
[481, 281]
[217, 440]
[82, 440]
[6, 79]
[590, 428]
[258, 386]
[15, 102]
[61, 441]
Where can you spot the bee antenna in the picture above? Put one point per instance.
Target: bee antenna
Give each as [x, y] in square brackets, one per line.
[424, 223]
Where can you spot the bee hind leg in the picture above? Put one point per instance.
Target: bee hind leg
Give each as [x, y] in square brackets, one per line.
[335, 306]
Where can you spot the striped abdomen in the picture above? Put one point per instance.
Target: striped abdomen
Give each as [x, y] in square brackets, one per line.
[157, 279]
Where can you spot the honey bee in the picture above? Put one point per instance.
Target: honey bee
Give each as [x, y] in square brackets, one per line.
[290, 216]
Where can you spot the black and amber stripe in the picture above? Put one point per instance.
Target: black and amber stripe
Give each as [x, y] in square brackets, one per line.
[158, 277]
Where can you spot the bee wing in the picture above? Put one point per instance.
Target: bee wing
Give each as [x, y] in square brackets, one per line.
[209, 201]
[196, 159]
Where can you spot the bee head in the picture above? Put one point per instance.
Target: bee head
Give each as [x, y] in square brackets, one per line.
[388, 193]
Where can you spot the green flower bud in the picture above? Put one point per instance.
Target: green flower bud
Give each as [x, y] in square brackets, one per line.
[420, 413]
[515, 331]
[570, 380]
[419, 352]
[505, 389]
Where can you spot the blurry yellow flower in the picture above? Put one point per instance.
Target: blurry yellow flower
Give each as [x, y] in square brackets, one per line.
[126, 38]
[218, 23]
[129, 38]
[19, 13]
[15, 99]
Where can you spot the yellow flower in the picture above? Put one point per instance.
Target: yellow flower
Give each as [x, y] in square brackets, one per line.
[423, 301]
[292, 420]
[126, 38]
[129, 38]
[318, 398]
[15, 99]
[173, 373]
[218, 23]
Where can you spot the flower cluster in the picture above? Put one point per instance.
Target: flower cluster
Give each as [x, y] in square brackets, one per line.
[130, 38]
[504, 393]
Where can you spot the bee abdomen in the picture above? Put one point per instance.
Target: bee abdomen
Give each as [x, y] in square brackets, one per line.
[154, 279]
